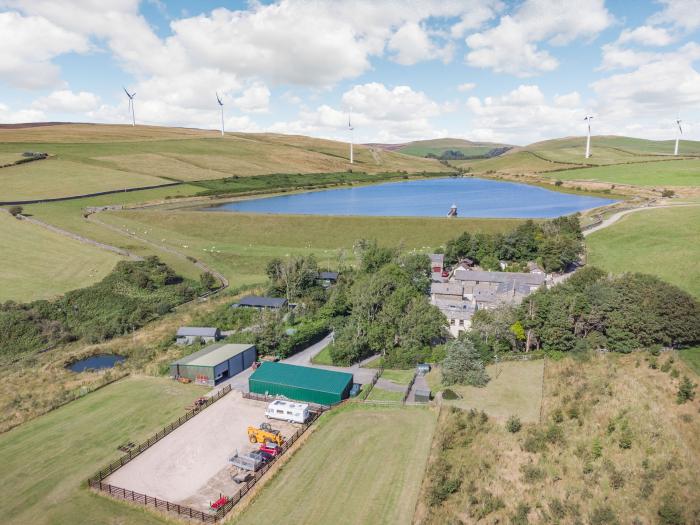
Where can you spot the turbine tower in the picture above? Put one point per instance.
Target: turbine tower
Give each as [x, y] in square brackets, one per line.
[678, 136]
[221, 104]
[588, 119]
[131, 105]
[352, 138]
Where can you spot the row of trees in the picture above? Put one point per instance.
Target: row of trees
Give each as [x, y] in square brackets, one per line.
[553, 244]
[593, 310]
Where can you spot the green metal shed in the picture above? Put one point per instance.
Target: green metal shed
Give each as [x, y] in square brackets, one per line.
[301, 383]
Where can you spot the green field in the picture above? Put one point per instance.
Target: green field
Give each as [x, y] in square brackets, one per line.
[691, 357]
[661, 242]
[402, 377]
[379, 394]
[323, 357]
[515, 389]
[658, 174]
[45, 462]
[421, 148]
[39, 264]
[361, 465]
[513, 163]
[239, 244]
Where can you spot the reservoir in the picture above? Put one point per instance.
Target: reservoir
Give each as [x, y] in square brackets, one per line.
[474, 197]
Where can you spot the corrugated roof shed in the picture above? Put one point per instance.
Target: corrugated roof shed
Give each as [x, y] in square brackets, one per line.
[302, 376]
[197, 331]
[262, 302]
[214, 354]
[331, 276]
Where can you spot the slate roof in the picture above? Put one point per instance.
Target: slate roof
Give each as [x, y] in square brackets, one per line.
[330, 276]
[197, 331]
[213, 355]
[262, 302]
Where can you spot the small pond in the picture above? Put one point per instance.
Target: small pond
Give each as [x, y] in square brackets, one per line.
[473, 197]
[96, 362]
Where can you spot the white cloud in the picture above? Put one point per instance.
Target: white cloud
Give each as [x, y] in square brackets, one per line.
[7, 115]
[684, 14]
[524, 115]
[29, 43]
[512, 46]
[412, 44]
[255, 99]
[646, 36]
[615, 57]
[398, 104]
[65, 101]
[467, 86]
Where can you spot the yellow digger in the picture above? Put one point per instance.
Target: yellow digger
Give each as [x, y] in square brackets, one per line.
[265, 434]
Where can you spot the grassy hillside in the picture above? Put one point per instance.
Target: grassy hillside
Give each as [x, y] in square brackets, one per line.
[90, 158]
[421, 148]
[665, 173]
[612, 447]
[46, 461]
[512, 163]
[362, 465]
[662, 242]
[39, 264]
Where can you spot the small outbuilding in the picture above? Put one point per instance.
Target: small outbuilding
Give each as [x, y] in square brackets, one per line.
[422, 396]
[302, 383]
[186, 335]
[256, 301]
[327, 278]
[214, 363]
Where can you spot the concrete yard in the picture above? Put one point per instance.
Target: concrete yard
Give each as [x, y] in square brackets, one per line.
[190, 466]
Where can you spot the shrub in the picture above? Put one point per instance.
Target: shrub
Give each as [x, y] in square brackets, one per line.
[617, 479]
[15, 210]
[484, 504]
[666, 366]
[558, 183]
[513, 424]
[653, 363]
[625, 439]
[532, 474]
[449, 394]
[603, 516]
[520, 515]
[686, 391]
[668, 193]
[573, 412]
[596, 449]
[557, 509]
[670, 514]
[558, 415]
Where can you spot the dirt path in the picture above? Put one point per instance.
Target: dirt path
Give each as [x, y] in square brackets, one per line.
[199, 264]
[80, 238]
[617, 216]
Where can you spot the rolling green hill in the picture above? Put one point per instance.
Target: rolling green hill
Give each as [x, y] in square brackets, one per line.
[422, 148]
[89, 158]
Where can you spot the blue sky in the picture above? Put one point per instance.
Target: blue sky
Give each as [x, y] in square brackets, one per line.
[487, 70]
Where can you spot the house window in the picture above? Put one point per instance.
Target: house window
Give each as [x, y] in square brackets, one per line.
[461, 322]
[452, 322]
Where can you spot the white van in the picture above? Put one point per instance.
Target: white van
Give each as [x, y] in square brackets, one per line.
[288, 411]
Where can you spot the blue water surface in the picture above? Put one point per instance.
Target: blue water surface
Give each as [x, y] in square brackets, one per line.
[474, 197]
[96, 362]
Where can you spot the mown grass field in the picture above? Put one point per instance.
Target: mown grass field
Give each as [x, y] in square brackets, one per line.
[659, 174]
[661, 242]
[512, 163]
[614, 447]
[401, 377]
[45, 462]
[380, 394]
[239, 245]
[361, 465]
[39, 264]
[691, 357]
[515, 388]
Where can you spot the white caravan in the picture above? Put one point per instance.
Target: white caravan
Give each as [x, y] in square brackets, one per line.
[288, 411]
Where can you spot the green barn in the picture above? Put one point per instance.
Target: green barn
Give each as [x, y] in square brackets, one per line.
[301, 383]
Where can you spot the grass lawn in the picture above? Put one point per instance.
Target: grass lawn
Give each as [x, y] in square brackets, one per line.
[657, 174]
[691, 357]
[662, 242]
[50, 178]
[39, 264]
[402, 377]
[323, 357]
[351, 470]
[379, 394]
[374, 363]
[45, 462]
[518, 162]
[515, 389]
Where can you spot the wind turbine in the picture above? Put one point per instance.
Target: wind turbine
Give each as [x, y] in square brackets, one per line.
[352, 137]
[131, 105]
[678, 137]
[588, 119]
[221, 104]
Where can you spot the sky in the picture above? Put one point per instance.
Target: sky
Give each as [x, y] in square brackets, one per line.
[513, 72]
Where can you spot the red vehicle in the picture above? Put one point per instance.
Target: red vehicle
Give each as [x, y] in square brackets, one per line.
[223, 500]
[272, 449]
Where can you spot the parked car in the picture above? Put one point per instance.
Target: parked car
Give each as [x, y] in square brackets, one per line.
[356, 387]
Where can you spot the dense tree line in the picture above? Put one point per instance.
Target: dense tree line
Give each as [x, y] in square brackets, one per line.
[383, 308]
[552, 244]
[593, 310]
[131, 295]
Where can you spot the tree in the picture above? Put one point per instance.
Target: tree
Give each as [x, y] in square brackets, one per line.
[207, 281]
[686, 391]
[372, 256]
[268, 333]
[463, 364]
[15, 210]
[293, 277]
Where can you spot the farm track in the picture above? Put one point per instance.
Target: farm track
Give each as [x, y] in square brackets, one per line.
[617, 216]
[199, 264]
